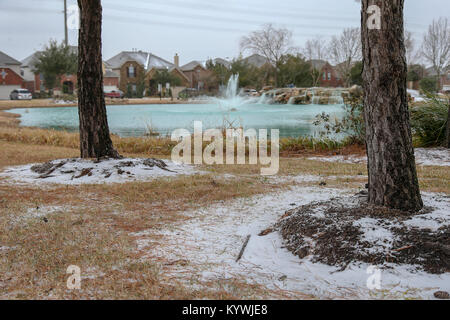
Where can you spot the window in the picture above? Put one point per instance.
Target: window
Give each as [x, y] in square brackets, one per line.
[329, 76]
[324, 76]
[134, 88]
[131, 72]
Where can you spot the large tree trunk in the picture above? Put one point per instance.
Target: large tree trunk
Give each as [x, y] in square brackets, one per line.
[393, 179]
[95, 141]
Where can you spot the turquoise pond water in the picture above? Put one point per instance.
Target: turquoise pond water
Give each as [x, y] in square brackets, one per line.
[126, 121]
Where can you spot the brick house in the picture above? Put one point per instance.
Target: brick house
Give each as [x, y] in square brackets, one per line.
[199, 77]
[329, 76]
[445, 78]
[133, 67]
[35, 82]
[446, 81]
[10, 75]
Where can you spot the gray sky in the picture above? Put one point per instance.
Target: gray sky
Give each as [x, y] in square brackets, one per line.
[195, 29]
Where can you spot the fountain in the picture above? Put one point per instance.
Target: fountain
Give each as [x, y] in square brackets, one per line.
[233, 98]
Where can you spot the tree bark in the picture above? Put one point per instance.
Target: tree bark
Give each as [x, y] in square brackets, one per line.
[393, 179]
[95, 141]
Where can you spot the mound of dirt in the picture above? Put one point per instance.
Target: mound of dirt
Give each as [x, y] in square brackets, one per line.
[347, 230]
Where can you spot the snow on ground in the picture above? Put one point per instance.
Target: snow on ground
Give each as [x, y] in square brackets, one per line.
[79, 171]
[213, 238]
[416, 95]
[439, 217]
[424, 157]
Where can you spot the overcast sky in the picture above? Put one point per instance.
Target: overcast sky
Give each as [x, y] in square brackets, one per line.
[195, 29]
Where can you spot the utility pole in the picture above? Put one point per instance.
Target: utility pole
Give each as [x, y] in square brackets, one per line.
[66, 33]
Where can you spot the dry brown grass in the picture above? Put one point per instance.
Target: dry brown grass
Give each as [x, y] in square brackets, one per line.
[91, 225]
[34, 136]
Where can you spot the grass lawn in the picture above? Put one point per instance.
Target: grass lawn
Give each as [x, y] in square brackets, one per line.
[44, 229]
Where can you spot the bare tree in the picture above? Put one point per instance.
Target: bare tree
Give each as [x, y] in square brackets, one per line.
[269, 42]
[315, 51]
[344, 51]
[436, 46]
[410, 46]
[391, 164]
[95, 141]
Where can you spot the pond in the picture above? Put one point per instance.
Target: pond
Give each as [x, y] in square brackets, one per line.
[136, 120]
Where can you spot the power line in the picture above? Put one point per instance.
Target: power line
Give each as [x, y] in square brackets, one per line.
[202, 17]
[255, 12]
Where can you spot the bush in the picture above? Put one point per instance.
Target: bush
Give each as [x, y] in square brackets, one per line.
[429, 122]
[428, 85]
[351, 124]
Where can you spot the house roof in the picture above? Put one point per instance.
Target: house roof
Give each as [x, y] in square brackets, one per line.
[110, 74]
[223, 62]
[191, 66]
[318, 64]
[174, 68]
[7, 60]
[31, 60]
[145, 59]
[256, 60]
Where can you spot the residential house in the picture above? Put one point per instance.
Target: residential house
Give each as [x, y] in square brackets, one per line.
[446, 81]
[223, 62]
[34, 82]
[134, 67]
[10, 76]
[257, 61]
[110, 79]
[199, 77]
[445, 78]
[329, 76]
[175, 70]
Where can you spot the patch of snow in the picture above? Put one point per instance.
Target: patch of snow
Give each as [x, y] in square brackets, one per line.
[41, 212]
[373, 232]
[341, 159]
[106, 171]
[213, 238]
[416, 95]
[439, 217]
[433, 157]
[425, 157]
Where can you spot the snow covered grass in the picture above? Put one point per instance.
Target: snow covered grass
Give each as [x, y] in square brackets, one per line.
[101, 226]
[424, 157]
[80, 171]
[210, 242]
[416, 95]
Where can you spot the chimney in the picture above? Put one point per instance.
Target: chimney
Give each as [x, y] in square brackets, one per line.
[176, 60]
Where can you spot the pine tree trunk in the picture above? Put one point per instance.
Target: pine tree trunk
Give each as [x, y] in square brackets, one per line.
[393, 179]
[95, 141]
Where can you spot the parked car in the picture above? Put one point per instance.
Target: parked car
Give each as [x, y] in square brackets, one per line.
[114, 94]
[21, 94]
